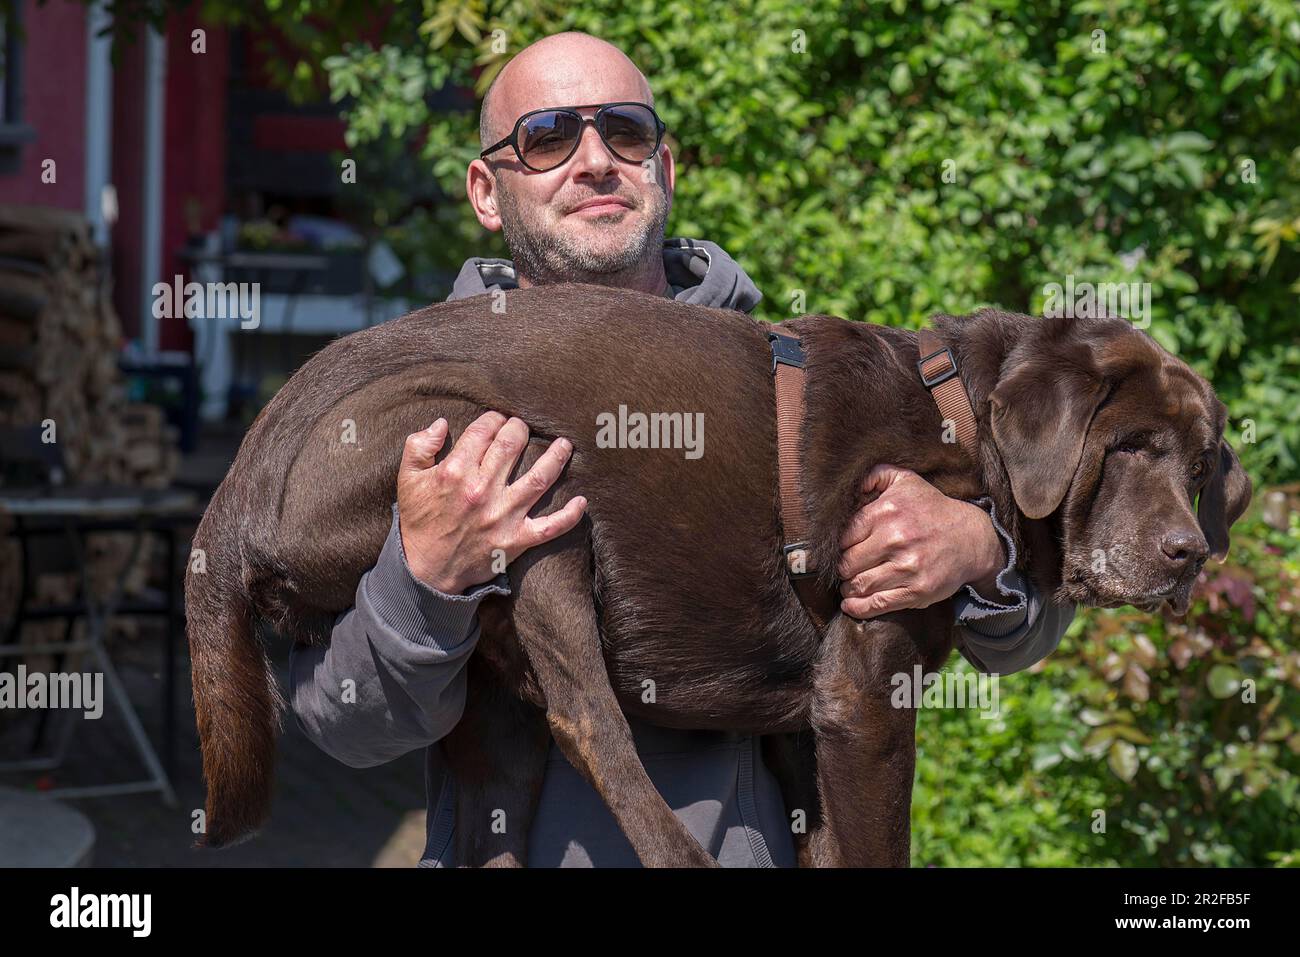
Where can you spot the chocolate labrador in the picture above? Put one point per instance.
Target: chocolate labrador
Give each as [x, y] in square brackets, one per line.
[1092, 440]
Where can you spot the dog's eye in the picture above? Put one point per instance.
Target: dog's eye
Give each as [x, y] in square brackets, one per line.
[1199, 469]
[1128, 448]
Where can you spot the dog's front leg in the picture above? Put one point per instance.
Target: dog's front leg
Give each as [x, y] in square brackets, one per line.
[866, 748]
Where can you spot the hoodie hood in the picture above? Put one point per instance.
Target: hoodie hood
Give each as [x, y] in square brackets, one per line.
[698, 271]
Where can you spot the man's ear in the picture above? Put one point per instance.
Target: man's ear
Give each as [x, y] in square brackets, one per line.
[1222, 501]
[1040, 413]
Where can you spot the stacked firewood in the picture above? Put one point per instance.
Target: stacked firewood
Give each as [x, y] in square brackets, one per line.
[59, 342]
[59, 345]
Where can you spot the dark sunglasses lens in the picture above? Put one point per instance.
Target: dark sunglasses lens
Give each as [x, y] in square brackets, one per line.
[630, 131]
[546, 138]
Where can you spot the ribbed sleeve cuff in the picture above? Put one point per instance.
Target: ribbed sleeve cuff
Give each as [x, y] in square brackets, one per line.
[416, 611]
[990, 618]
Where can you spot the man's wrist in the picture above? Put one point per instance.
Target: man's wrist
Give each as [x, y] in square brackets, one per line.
[988, 585]
[430, 574]
[994, 558]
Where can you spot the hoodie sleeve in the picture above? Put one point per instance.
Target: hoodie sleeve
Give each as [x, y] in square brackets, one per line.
[392, 678]
[1008, 636]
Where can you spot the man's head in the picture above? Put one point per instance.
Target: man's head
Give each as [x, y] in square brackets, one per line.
[1121, 443]
[549, 237]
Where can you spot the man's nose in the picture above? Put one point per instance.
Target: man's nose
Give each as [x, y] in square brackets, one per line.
[1184, 548]
[592, 155]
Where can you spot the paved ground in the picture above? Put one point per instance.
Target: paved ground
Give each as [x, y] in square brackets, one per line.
[325, 814]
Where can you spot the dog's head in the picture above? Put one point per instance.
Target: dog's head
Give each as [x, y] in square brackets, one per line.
[1121, 444]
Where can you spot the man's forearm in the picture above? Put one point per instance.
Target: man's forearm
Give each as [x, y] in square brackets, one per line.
[1042, 625]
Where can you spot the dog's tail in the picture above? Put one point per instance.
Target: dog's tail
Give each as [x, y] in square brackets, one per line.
[236, 699]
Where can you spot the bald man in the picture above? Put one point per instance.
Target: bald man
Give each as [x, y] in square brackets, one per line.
[583, 201]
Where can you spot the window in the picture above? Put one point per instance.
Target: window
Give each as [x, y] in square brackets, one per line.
[13, 132]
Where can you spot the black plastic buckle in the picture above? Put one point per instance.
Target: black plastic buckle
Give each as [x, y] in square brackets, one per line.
[942, 377]
[785, 559]
[786, 350]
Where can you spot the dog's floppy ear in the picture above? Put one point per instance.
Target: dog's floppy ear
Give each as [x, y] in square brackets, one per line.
[1040, 413]
[1223, 499]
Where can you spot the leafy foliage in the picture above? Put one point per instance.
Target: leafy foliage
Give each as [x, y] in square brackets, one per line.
[942, 156]
[1143, 741]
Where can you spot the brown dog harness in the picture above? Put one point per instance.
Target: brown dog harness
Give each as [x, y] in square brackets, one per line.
[937, 367]
[788, 373]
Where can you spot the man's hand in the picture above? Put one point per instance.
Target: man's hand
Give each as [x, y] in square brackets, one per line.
[454, 515]
[913, 546]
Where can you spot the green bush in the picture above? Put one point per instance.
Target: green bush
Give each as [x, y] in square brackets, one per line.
[1184, 733]
[1151, 141]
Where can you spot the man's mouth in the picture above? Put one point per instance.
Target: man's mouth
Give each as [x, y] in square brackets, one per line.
[600, 206]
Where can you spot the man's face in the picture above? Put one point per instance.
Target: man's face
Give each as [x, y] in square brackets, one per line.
[552, 239]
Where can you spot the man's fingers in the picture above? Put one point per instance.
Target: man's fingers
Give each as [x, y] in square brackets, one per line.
[532, 485]
[423, 447]
[546, 527]
[880, 478]
[504, 452]
[865, 520]
[874, 580]
[858, 529]
[881, 603]
[476, 439]
[886, 540]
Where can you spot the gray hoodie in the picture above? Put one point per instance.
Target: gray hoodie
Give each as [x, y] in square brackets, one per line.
[405, 646]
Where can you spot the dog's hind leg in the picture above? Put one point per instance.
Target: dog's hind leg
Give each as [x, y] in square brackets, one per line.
[497, 754]
[555, 617]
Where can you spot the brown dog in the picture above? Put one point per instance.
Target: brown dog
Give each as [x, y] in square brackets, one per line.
[1093, 440]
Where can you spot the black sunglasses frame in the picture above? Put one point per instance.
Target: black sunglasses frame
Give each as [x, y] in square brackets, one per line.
[513, 139]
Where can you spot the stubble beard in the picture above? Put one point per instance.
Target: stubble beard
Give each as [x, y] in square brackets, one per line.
[547, 253]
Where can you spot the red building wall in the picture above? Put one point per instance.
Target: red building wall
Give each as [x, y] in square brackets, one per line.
[194, 162]
[54, 104]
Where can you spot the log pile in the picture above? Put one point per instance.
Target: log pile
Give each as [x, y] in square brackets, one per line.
[59, 345]
[59, 342]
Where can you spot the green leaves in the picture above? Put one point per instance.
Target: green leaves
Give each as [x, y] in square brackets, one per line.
[1123, 760]
[942, 156]
[1224, 681]
[1192, 770]
[900, 79]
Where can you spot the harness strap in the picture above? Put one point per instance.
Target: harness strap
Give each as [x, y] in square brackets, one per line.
[938, 368]
[788, 373]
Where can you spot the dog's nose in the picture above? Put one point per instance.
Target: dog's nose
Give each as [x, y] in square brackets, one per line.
[1184, 548]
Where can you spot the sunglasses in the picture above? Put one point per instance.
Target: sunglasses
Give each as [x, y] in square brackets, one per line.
[545, 139]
